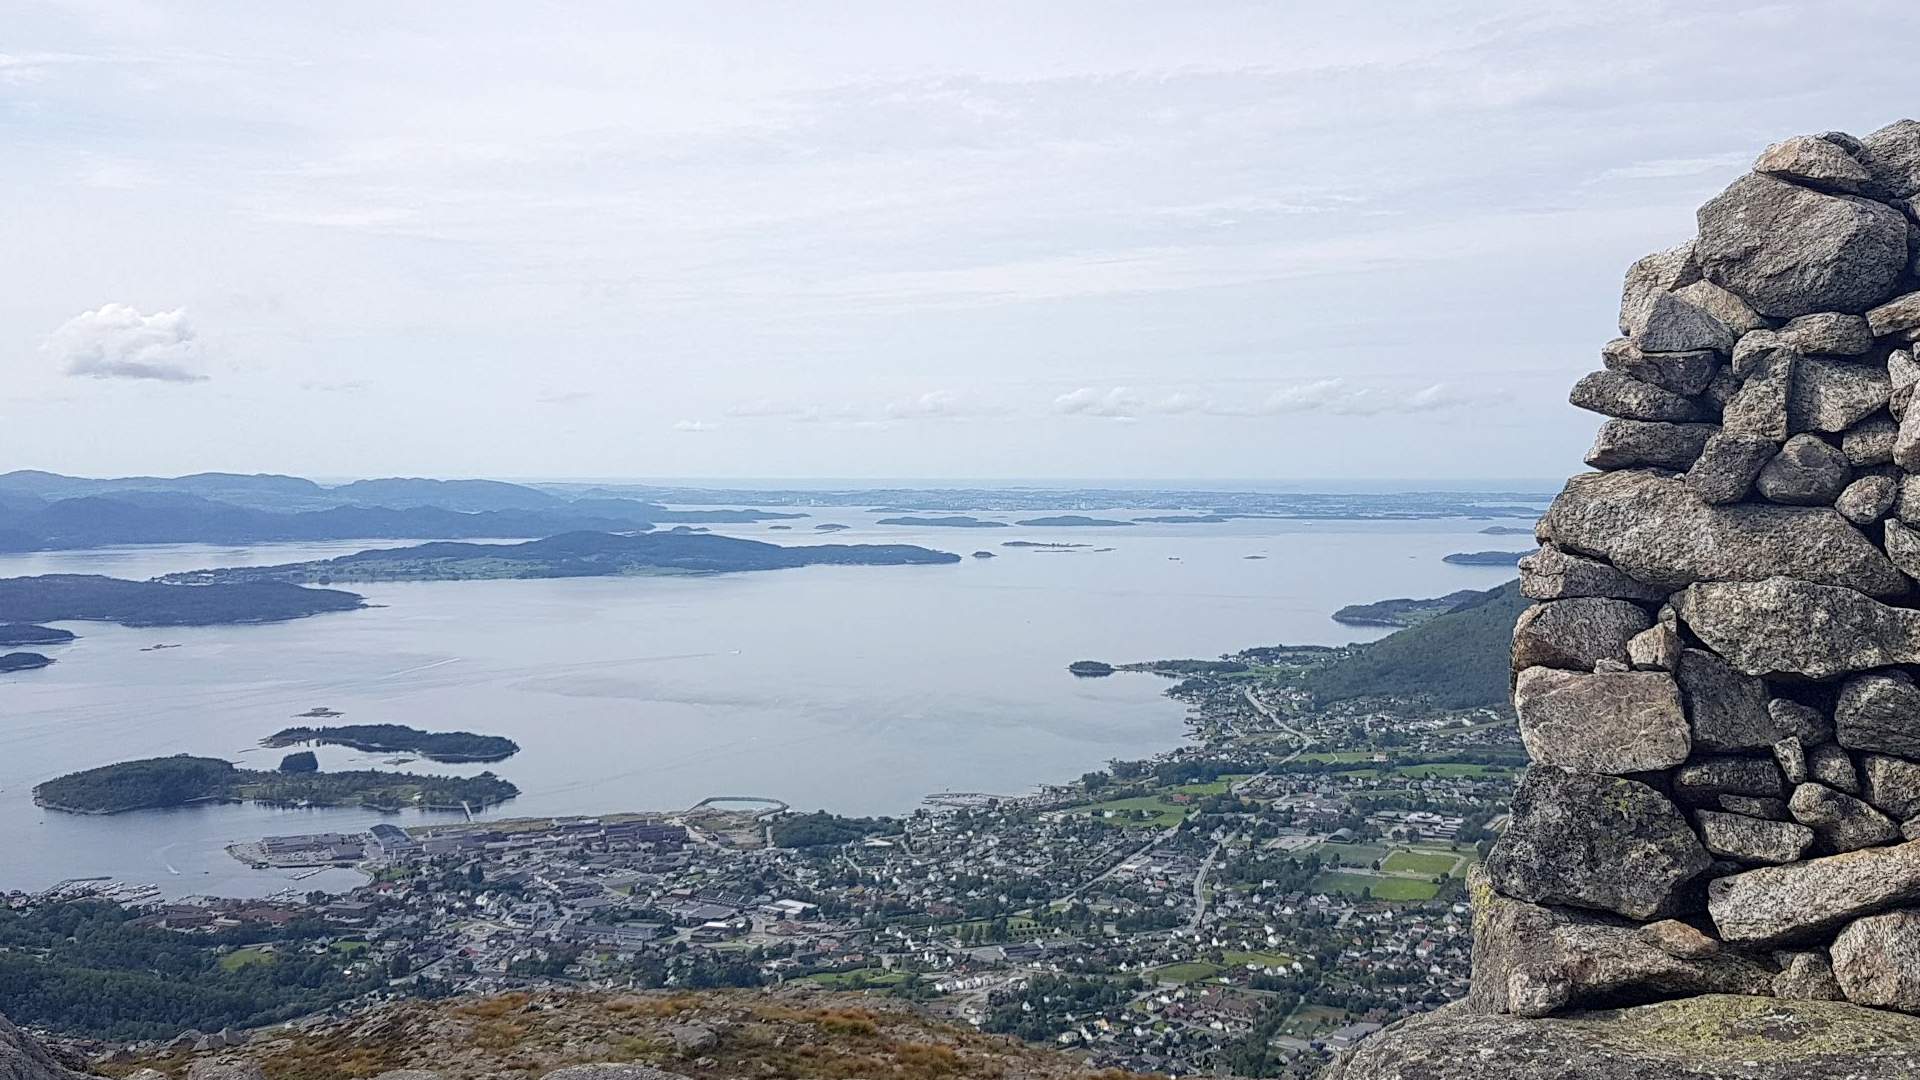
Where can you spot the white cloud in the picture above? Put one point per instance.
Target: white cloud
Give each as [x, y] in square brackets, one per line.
[116, 341]
[695, 425]
[1332, 396]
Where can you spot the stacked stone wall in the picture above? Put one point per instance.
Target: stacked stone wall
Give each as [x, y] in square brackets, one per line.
[1717, 684]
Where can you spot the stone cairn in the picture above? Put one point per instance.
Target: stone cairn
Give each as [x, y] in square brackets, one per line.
[1716, 686]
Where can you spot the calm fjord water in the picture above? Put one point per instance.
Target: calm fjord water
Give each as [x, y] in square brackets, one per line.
[857, 689]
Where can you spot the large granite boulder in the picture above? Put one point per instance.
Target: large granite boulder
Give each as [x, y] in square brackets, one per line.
[1789, 250]
[1576, 633]
[1786, 625]
[1610, 393]
[1728, 710]
[1842, 822]
[1532, 960]
[1876, 961]
[1602, 722]
[1552, 574]
[1784, 904]
[1710, 1037]
[1624, 444]
[1879, 711]
[1892, 158]
[1651, 277]
[1651, 526]
[1834, 395]
[1550, 853]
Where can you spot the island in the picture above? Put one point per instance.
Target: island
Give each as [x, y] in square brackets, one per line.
[1403, 611]
[300, 761]
[952, 521]
[93, 598]
[1486, 558]
[1043, 546]
[22, 661]
[14, 634]
[831, 526]
[984, 555]
[1090, 669]
[1186, 519]
[182, 780]
[1074, 521]
[1505, 530]
[570, 555]
[446, 746]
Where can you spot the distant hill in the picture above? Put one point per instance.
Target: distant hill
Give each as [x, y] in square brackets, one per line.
[952, 521]
[92, 598]
[1403, 611]
[1486, 558]
[578, 554]
[1074, 521]
[1459, 659]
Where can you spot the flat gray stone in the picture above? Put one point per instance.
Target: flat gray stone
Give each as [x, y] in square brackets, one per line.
[1784, 625]
[1657, 648]
[1896, 315]
[1781, 904]
[1550, 854]
[1867, 500]
[1736, 313]
[1610, 393]
[1754, 806]
[1727, 464]
[1808, 471]
[1612, 723]
[1879, 711]
[1892, 785]
[1842, 822]
[1892, 158]
[1791, 755]
[1788, 250]
[1833, 395]
[1704, 780]
[1903, 373]
[1833, 766]
[1805, 976]
[1813, 160]
[1621, 444]
[1829, 333]
[1870, 442]
[1752, 840]
[1552, 574]
[1660, 272]
[1800, 720]
[1673, 325]
[1660, 533]
[1728, 710]
[1576, 633]
[1761, 405]
[1876, 961]
[1685, 373]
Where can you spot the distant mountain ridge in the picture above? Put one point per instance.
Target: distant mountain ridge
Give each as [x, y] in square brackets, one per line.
[48, 512]
[1459, 659]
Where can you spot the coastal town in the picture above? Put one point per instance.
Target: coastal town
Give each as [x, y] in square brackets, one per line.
[1285, 883]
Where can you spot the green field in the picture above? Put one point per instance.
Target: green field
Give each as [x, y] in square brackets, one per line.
[1339, 756]
[1380, 888]
[240, 958]
[1264, 959]
[1429, 863]
[1159, 813]
[856, 979]
[1190, 971]
[1451, 769]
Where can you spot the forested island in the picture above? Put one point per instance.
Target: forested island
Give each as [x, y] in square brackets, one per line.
[954, 521]
[1486, 558]
[446, 746]
[1505, 530]
[13, 634]
[1403, 611]
[580, 554]
[93, 598]
[1043, 546]
[1187, 519]
[1075, 521]
[181, 780]
[22, 661]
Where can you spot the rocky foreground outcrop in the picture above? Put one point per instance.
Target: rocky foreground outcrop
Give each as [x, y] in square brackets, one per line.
[1717, 687]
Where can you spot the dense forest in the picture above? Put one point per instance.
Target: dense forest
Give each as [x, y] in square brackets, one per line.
[435, 745]
[182, 779]
[577, 554]
[1459, 659]
[13, 634]
[821, 829]
[90, 597]
[82, 968]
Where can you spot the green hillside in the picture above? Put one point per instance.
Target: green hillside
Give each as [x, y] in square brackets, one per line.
[1460, 659]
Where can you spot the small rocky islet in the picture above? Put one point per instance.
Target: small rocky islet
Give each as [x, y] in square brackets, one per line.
[1712, 867]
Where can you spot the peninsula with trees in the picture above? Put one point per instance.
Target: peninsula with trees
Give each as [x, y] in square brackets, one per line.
[577, 554]
[16, 634]
[444, 746]
[93, 598]
[183, 780]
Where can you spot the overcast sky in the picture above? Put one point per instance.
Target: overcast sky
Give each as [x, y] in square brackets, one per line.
[1171, 240]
